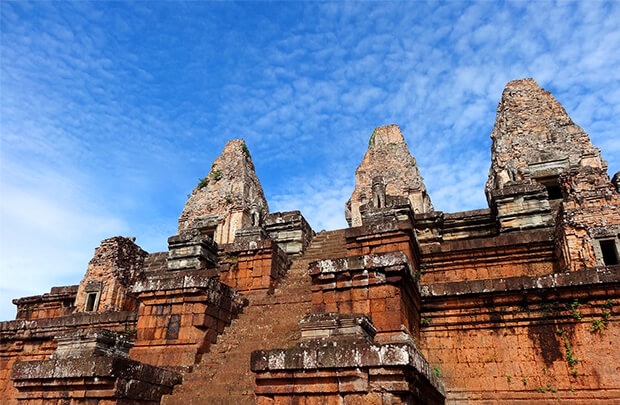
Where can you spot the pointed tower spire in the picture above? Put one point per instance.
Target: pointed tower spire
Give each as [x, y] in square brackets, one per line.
[535, 139]
[388, 171]
[228, 199]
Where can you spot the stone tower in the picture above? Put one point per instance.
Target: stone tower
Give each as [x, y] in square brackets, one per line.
[228, 199]
[534, 140]
[545, 172]
[387, 173]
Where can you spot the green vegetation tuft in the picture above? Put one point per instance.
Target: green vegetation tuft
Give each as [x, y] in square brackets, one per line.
[204, 182]
[572, 360]
[598, 326]
[371, 141]
[575, 308]
[246, 151]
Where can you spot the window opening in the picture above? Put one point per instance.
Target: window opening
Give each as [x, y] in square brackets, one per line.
[91, 298]
[208, 231]
[555, 192]
[608, 249]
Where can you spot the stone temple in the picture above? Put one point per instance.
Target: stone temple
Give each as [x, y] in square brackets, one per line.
[516, 303]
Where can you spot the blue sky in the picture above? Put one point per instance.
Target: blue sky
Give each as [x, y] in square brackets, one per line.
[111, 111]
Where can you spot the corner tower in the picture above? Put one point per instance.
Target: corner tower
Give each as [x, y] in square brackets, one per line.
[534, 140]
[534, 143]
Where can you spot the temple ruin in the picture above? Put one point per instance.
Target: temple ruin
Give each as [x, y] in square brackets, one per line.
[513, 303]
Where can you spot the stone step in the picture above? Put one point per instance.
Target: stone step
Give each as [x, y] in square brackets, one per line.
[192, 399]
[269, 321]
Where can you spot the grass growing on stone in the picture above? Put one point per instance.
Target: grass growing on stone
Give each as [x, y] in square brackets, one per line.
[204, 182]
[216, 175]
[246, 151]
[575, 308]
[371, 141]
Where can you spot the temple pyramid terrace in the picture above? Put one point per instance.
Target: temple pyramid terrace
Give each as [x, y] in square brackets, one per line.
[514, 303]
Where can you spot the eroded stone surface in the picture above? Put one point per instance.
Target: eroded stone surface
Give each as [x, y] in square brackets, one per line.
[535, 139]
[387, 171]
[229, 198]
[116, 265]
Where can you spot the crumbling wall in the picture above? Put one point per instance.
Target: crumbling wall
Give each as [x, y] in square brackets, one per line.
[58, 302]
[534, 139]
[91, 366]
[29, 340]
[589, 214]
[116, 265]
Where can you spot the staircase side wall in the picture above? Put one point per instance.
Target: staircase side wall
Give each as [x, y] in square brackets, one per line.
[253, 267]
[180, 317]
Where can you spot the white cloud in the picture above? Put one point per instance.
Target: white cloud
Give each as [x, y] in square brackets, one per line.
[48, 232]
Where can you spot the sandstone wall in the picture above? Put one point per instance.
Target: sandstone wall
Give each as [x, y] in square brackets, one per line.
[23, 340]
[58, 302]
[516, 342]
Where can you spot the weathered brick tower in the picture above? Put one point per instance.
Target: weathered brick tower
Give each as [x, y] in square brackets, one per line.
[515, 303]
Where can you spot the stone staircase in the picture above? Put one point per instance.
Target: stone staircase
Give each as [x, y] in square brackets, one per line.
[269, 321]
